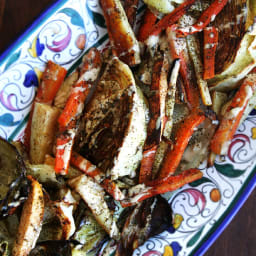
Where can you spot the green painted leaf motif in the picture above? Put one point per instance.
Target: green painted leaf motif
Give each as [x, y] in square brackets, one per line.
[195, 238]
[199, 182]
[228, 170]
[12, 59]
[97, 18]
[76, 18]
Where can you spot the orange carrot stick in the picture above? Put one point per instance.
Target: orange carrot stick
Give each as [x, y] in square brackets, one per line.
[146, 165]
[64, 146]
[74, 105]
[52, 79]
[148, 21]
[171, 18]
[210, 45]
[162, 186]
[177, 48]
[91, 170]
[74, 108]
[182, 136]
[207, 16]
[231, 119]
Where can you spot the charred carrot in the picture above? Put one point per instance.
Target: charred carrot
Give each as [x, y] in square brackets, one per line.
[146, 165]
[87, 167]
[130, 8]
[148, 21]
[177, 48]
[121, 35]
[74, 105]
[162, 186]
[52, 79]
[231, 119]
[207, 16]
[171, 18]
[64, 146]
[91, 170]
[182, 136]
[210, 45]
[74, 108]
[157, 120]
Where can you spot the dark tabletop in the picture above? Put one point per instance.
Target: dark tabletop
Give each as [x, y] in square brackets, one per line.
[239, 238]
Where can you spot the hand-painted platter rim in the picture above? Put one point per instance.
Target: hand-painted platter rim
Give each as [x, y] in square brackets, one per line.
[243, 173]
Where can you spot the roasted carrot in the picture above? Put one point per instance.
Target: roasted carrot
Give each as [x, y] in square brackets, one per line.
[130, 8]
[148, 21]
[162, 186]
[182, 136]
[177, 48]
[146, 165]
[74, 105]
[52, 78]
[233, 114]
[210, 45]
[157, 116]
[74, 108]
[171, 18]
[207, 16]
[91, 170]
[121, 35]
[64, 146]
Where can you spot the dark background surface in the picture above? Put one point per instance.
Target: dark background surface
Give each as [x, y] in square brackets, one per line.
[239, 238]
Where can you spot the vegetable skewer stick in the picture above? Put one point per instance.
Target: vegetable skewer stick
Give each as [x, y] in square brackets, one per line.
[171, 18]
[162, 186]
[91, 170]
[231, 119]
[207, 16]
[210, 46]
[73, 109]
[182, 136]
[121, 35]
[148, 21]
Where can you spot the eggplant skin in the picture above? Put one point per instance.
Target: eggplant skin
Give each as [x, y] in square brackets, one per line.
[231, 25]
[14, 186]
[52, 248]
[149, 218]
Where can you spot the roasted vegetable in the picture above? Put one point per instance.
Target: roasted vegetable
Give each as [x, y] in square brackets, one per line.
[148, 218]
[89, 235]
[113, 128]
[30, 222]
[14, 186]
[43, 129]
[121, 35]
[52, 248]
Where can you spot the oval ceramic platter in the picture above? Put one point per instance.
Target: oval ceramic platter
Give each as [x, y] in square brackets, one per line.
[63, 34]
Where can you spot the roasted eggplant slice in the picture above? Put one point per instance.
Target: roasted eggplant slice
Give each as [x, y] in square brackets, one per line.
[52, 248]
[14, 186]
[148, 218]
